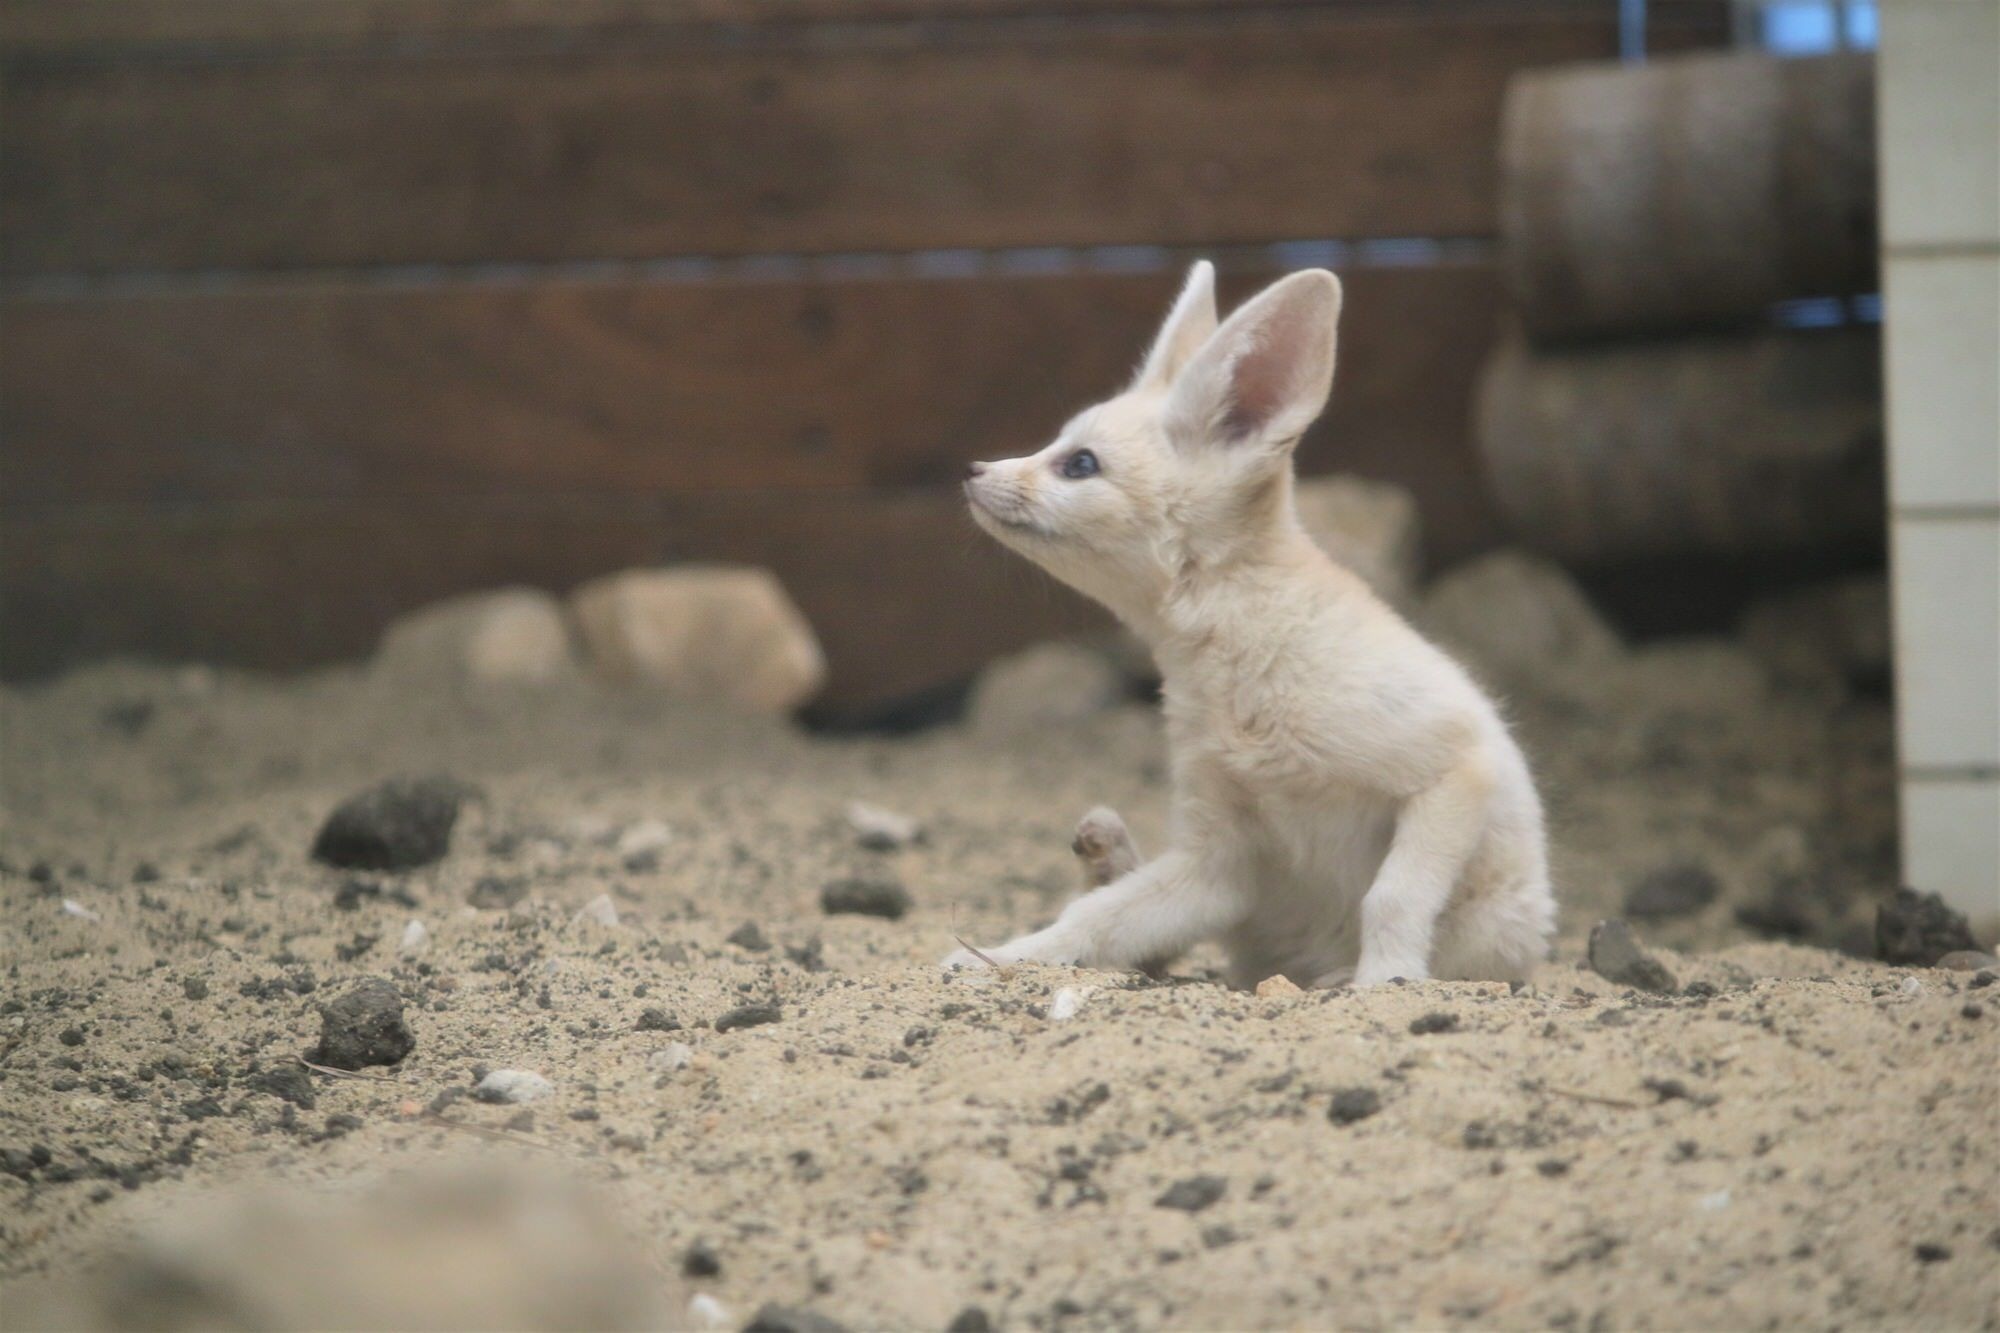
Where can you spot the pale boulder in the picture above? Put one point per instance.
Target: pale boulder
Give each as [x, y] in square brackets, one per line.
[1050, 684]
[510, 636]
[1518, 617]
[702, 631]
[1370, 527]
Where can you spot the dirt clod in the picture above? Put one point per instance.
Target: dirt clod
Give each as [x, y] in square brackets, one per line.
[399, 824]
[363, 1027]
[1917, 929]
[865, 897]
[1615, 955]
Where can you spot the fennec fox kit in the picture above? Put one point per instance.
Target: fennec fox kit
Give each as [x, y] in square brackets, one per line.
[1347, 804]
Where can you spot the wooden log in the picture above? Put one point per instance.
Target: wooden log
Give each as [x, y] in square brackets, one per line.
[1686, 193]
[1719, 445]
[631, 387]
[1195, 127]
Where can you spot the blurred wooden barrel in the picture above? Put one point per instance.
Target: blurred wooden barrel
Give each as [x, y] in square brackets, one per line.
[1687, 193]
[1713, 445]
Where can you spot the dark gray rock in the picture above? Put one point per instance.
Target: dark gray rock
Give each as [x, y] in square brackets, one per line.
[748, 1016]
[1675, 889]
[784, 1319]
[1193, 1194]
[396, 825]
[749, 936]
[1917, 929]
[656, 1019]
[1616, 956]
[363, 1027]
[288, 1082]
[495, 893]
[865, 897]
[1352, 1104]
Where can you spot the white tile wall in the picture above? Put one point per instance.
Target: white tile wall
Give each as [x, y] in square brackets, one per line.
[1947, 599]
[1944, 377]
[1939, 114]
[1939, 127]
[1951, 840]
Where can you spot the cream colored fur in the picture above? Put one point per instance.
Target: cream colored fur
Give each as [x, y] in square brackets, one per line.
[1347, 804]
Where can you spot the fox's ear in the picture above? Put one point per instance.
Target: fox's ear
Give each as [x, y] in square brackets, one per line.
[1188, 326]
[1267, 371]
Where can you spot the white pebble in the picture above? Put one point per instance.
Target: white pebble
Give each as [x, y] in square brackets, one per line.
[1067, 1001]
[416, 937]
[707, 1311]
[71, 907]
[1713, 1203]
[514, 1085]
[599, 909]
[648, 835]
[883, 830]
[1912, 987]
[674, 1055]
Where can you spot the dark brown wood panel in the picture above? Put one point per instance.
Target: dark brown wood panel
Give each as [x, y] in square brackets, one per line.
[1201, 127]
[93, 28]
[904, 592]
[632, 388]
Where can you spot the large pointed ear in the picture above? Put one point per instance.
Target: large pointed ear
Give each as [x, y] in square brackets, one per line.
[1188, 326]
[1266, 373]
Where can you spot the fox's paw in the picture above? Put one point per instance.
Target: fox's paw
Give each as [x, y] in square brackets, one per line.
[1104, 847]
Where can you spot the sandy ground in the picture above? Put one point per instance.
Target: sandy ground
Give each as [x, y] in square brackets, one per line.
[1800, 1139]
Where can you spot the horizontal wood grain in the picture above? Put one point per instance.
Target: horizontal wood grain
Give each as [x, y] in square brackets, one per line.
[1201, 127]
[93, 28]
[903, 591]
[344, 391]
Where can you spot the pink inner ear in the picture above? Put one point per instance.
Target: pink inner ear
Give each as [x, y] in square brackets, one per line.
[1260, 381]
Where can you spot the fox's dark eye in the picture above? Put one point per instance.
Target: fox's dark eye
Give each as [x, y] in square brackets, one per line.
[1079, 465]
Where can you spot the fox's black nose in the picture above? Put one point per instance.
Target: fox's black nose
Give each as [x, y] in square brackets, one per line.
[973, 470]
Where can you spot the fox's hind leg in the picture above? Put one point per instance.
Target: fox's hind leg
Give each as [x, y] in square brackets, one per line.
[1106, 851]
[1104, 847]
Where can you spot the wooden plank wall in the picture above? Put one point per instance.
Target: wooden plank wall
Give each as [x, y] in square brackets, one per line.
[312, 312]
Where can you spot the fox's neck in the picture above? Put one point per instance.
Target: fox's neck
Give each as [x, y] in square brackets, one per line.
[1223, 587]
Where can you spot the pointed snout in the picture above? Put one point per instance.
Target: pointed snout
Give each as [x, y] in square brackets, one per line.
[974, 471]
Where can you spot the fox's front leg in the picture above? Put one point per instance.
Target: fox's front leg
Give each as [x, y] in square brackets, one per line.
[1156, 911]
[1436, 834]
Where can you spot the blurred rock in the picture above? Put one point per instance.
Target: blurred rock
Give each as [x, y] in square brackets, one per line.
[1917, 929]
[865, 897]
[1832, 633]
[1518, 617]
[1050, 684]
[1616, 956]
[511, 636]
[471, 1248]
[363, 1027]
[1675, 889]
[881, 830]
[396, 825]
[513, 1086]
[702, 631]
[1370, 527]
[1967, 960]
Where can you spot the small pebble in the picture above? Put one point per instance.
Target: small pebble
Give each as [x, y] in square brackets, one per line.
[600, 910]
[416, 938]
[1352, 1104]
[648, 836]
[881, 830]
[707, 1312]
[865, 897]
[748, 1016]
[1066, 1003]
[1277, 987]
[71, 907]
[701, 1260]
[749, 937]
[1437, 1020]
[513, 1086]
[1193, 1194]
[784, 1319]
[655, 1019]
[1929, 1252]
[672, 1056]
